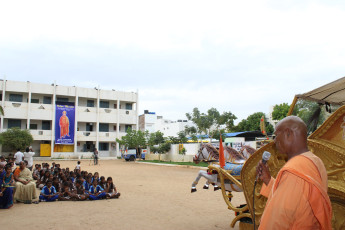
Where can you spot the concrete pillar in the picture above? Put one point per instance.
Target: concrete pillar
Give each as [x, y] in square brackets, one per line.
[53, 121]
[97, 123]
[118, 128]
[29, 107]
[76, 120]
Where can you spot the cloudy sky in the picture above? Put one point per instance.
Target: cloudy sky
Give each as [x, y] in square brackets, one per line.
[238, 56]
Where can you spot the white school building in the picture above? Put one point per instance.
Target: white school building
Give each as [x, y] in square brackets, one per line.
[101, 116]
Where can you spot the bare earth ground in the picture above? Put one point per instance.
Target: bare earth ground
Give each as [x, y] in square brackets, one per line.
[152, 197]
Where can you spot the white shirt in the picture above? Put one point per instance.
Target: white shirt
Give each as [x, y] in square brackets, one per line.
[19, 157]
[29, 157]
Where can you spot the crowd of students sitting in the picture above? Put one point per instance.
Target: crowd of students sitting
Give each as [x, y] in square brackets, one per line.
[62, 184]
[55, 183]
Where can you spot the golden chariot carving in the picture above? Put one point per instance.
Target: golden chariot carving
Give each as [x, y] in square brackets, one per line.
[327, 142]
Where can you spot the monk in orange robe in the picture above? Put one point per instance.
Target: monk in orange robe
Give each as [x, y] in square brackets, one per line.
[64, 125]
[297, 198]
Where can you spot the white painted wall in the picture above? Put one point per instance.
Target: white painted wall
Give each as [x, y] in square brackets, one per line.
[36, 112]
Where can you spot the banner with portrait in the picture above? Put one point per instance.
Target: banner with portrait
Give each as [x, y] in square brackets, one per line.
[64, 123]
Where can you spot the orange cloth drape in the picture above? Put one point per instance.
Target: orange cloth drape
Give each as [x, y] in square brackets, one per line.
[297, 198]
[64, 126]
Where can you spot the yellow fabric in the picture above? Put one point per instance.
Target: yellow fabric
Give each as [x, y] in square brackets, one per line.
[26, 192]
[45, 150]
[63, 148]
[298, 198]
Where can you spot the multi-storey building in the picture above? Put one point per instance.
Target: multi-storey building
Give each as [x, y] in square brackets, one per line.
[149, 121]
[101, 116]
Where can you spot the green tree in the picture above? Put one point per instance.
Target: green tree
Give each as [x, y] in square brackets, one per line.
[182, 137]
[190, 130]
[133, 139]
[173, 140]
[252, 123]
[311, 113]
[216, 134]
[280, 111]
[15, 138]
[228, 119]
[155, 138]
[164, 147]
[213, 119]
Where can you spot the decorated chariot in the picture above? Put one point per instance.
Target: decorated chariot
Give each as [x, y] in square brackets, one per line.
[326, 127]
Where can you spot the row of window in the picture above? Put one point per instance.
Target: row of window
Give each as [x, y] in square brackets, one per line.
[103, 127]
[90, 146]
[48, 100]
[12, 123]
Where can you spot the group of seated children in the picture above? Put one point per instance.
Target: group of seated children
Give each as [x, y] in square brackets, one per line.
[62, 184]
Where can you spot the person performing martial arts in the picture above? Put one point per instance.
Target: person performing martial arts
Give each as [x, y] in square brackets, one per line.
[297, 198]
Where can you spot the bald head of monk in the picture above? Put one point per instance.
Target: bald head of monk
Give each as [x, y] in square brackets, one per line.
[291, 136]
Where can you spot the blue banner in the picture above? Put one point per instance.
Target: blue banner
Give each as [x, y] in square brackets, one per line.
[64, 123]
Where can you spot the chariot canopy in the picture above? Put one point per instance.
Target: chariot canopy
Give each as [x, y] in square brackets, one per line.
[331, 93]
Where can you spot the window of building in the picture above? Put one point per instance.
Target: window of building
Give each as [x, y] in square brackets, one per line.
[128, 106]
[103, 127]
[62, 99]
[34, 100]
[47, 100]
[127, 127]
[115, 106]
[14, 123]
[90, 103]
[115, 127]
[0, 97]
[46, 125]
[16, 97]
[33, 126]
[89, 127]
[103, 146]
[104, 104]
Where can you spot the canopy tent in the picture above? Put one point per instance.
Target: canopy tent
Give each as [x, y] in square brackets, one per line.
[332, 93]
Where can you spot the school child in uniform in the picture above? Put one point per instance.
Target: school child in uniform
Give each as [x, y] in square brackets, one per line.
[103, 182]
[43, 181]
[95, 177]
[53, 167]
[96, 192]
[72, 176]
[66, 193]
[80, 191]
[111, 189]
[36, 173]
[56, 184]
[87, 184]
[48, 192]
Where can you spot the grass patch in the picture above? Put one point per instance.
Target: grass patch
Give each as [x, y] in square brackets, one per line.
[201, 164]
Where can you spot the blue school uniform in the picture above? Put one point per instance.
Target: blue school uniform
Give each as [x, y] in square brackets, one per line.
[86, 186]
[93, 190]
[49, 191]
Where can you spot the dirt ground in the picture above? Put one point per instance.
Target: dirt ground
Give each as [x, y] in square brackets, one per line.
[152, 197]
